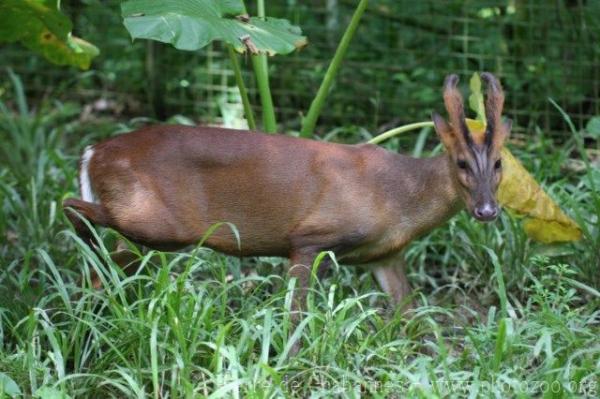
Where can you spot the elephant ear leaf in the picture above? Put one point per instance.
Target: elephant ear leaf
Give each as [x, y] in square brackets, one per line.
[40, 26]
[521, 195]
[192, 24]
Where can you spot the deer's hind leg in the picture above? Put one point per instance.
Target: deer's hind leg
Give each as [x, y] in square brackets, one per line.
[390, 274]
[95, 213]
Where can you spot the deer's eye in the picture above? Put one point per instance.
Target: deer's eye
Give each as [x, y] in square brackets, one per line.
[498, 164]
[462, 164]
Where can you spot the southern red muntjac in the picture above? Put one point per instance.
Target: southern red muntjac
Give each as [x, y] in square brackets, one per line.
[164, 186]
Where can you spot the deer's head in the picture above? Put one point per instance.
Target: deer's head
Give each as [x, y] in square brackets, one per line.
[475, 159]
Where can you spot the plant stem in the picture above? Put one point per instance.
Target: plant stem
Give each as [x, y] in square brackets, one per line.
[399, 130]
[262, 80]
[260, 5]
[242, 87]
[310, 121]
[259, 62]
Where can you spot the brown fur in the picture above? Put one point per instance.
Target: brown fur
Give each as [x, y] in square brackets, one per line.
[281, 193]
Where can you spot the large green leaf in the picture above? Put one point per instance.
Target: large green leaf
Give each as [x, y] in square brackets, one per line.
[192, 24]
[8, 387]
[40, 26]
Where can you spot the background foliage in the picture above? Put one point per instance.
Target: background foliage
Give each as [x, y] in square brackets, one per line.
[391, 76]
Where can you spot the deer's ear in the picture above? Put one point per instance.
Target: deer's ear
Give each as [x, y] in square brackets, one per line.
[502, 133]
[443, 130]
[507, 127]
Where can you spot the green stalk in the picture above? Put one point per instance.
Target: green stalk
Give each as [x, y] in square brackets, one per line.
[399, 130]
[259, 62]
[310, 121]
[242, 87]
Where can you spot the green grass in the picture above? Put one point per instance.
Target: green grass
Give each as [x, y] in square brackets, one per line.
[501, 316]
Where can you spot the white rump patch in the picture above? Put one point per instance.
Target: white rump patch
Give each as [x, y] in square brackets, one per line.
[84, 176]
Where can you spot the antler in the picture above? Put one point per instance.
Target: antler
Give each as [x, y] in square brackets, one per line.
[493, 105]
[455, 107]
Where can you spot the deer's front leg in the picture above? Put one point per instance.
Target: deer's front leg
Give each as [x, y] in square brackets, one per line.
[300, 269]
[391, 277]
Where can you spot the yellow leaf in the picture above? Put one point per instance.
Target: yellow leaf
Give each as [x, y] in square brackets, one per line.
[550, 231]
[476, 126]
[522, 195]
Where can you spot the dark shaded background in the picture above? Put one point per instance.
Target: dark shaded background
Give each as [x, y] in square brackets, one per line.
[392, 75]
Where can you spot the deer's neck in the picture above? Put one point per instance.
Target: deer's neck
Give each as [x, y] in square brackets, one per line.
[426, 192]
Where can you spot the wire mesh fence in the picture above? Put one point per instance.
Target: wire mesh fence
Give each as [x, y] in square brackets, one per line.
[392, 74]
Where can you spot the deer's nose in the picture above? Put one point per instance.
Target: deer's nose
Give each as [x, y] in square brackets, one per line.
[486, 212]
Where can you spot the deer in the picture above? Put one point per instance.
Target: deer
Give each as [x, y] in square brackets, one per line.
[164, 186]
